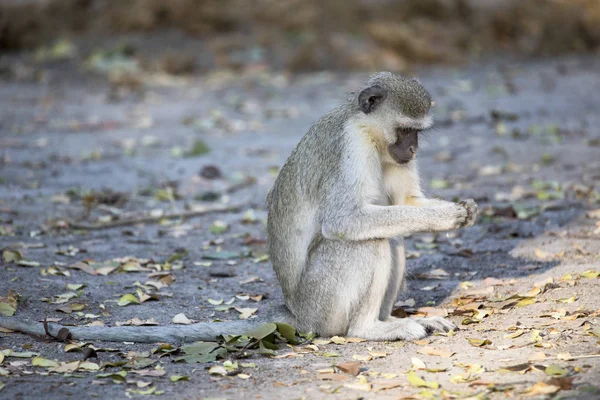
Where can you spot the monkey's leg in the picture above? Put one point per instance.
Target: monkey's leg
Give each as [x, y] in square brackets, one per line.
[396, 280]
[375, 264]
[381, 264]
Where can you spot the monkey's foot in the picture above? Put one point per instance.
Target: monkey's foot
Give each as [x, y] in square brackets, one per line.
[391, 329]
[432, 324]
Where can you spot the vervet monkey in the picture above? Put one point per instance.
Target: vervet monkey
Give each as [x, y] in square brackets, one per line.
[337, 215]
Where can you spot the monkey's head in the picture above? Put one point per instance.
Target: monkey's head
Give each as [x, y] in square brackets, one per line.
[399, 108]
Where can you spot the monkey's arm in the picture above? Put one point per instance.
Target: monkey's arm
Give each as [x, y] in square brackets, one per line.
[381, 222]
[419, 200]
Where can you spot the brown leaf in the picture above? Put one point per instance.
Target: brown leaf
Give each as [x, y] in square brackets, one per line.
[333, 377]
[63, 334]
[520, 368]
[497, 282]
[89, 353]
[68, 367]
[351, 367]
[386, 384]
[432, 351]
[433, 311]
[563, 382]
[541, 388]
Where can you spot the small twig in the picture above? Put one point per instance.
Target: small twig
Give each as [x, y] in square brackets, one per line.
[572, 357]
[157, 218]
[249, 181]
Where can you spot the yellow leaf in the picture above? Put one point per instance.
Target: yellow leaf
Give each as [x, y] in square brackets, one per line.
[177, 378]
[44, 362]
[526, 302]
[127, 299]
[514, 335]
[416, 381]
[466, 285]
[566, 299]
[338, 340]
[217, 370]
[532, 293]
[360, 357]
[73, 347]
[590, 274]
[355, 340]
[68, 367]
[89, 366]
[479, 342]
[541, 388]
[565, 356]
[567, 277]
[554, 369]
[378, 354]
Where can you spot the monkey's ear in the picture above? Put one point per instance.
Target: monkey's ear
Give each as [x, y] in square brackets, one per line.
[370, 98]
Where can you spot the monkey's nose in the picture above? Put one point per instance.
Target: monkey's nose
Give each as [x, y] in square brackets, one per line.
[412, 150]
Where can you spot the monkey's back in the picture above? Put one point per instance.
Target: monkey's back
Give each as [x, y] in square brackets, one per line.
[294, 223]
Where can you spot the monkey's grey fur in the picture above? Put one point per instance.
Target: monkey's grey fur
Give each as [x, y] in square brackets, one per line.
[337, 214]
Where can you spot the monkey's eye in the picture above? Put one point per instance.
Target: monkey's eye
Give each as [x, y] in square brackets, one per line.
[406, 131]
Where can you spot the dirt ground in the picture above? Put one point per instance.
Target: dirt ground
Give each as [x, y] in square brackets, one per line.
[522, 139]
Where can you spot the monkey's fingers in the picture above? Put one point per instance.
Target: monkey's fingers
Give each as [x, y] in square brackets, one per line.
[472, 210]
[440, 324]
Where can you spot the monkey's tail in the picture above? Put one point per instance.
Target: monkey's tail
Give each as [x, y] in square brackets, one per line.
[151, 334]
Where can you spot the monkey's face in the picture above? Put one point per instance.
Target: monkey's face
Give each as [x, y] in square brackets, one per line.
[406, 145]
[398, 107]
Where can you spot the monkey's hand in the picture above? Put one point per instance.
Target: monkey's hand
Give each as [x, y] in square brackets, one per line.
[448, 217]
[472, 211]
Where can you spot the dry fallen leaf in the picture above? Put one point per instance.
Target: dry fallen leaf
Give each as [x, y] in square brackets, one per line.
[380, 385]
[417, 363]
[541, 388]
[181, 319]
[479, 342]
[246, 313]
[432, 351]
[67, 367]
[338, 340]
[333, 377]
[351, 367]
[416, 381]
[514, 335]
[355, 340]
[361, 384]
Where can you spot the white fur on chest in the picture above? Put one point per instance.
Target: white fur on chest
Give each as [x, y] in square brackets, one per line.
[380, 179]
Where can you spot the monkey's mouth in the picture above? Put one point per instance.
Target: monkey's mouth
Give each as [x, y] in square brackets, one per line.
[401, 155]
[406, 160]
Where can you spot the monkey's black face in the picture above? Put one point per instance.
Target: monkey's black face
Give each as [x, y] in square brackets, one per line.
[406, 146]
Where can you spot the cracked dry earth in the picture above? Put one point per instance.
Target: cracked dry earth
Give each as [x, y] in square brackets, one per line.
[522, 139]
